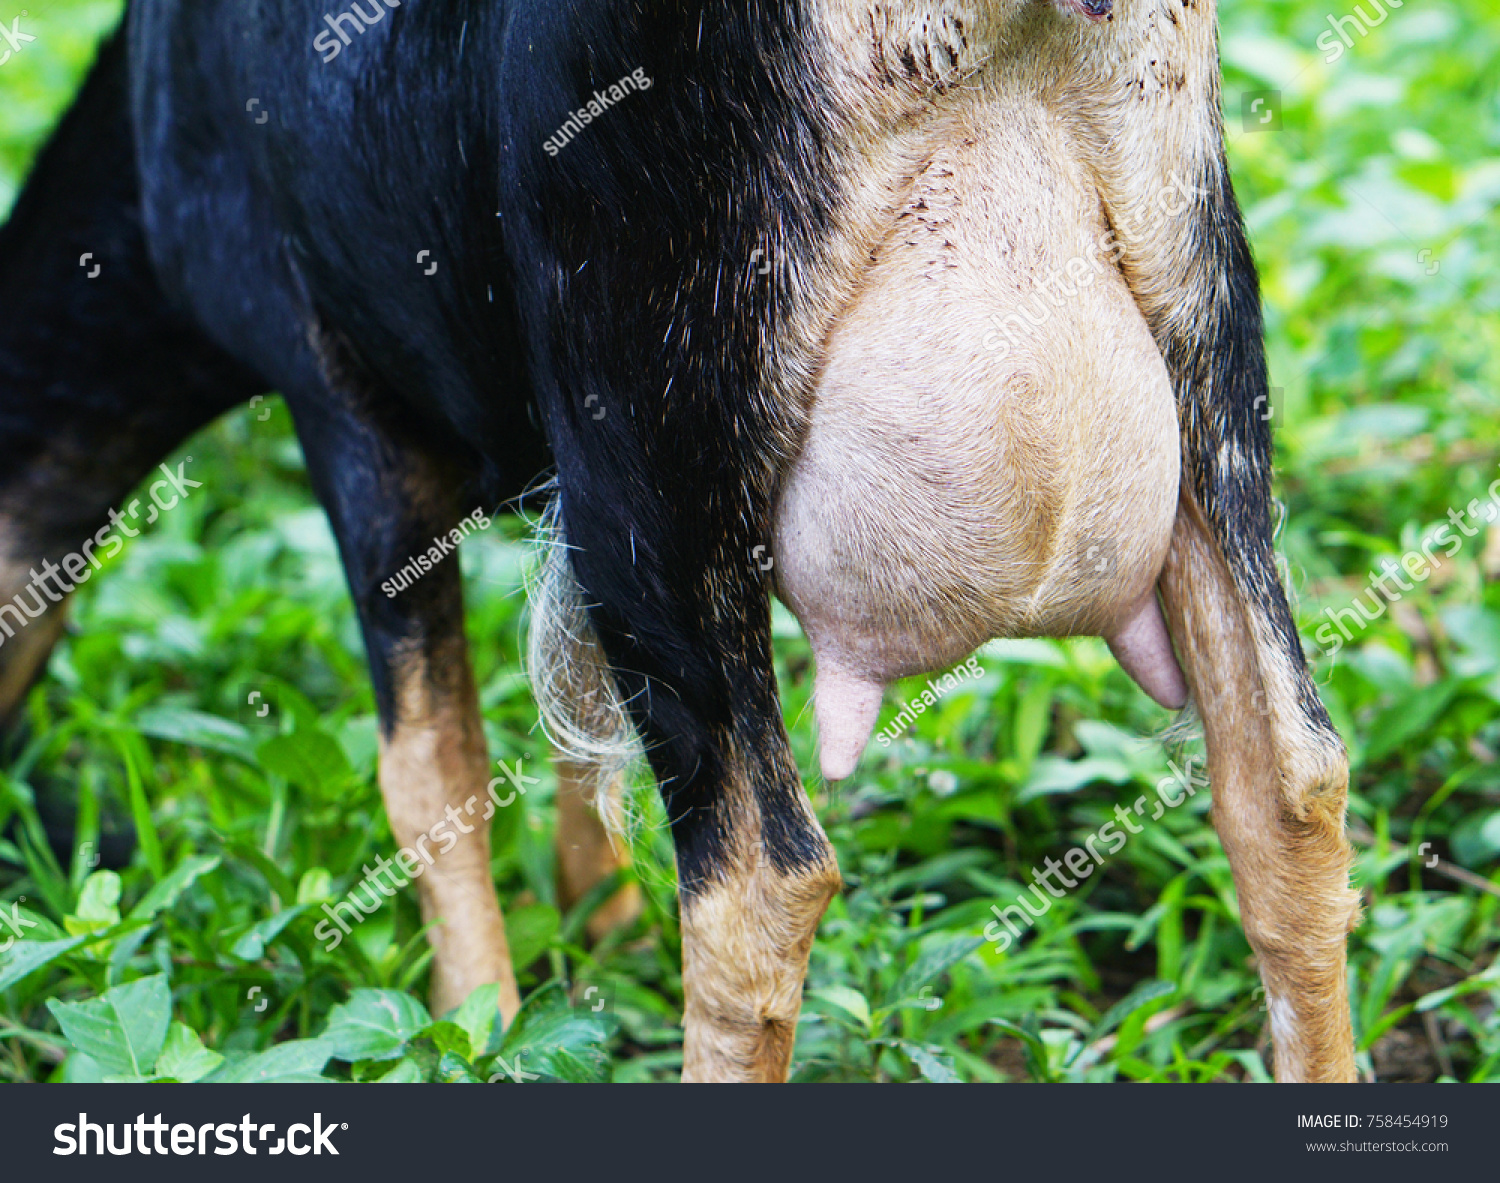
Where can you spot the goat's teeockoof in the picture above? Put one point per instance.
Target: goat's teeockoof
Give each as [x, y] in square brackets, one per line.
[916, 169]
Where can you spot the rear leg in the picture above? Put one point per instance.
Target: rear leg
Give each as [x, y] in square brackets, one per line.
[669, 385]
[589, 851]
[1279, 771]
[685, 655]
[99, 380]
[1279, 778]
[621, 635]
[1280, 775]
[755, 870]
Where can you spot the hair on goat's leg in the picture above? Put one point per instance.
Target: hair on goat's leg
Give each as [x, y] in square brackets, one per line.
[26, 643]
[595, 742]
[578, 702]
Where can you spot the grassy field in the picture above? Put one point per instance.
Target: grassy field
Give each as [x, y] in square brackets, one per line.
[1371, 196]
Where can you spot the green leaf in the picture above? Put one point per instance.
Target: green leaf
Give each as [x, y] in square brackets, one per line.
[295, 1060]
[126, 944]
[97, 905]
[123, 1030]
[1411, 716]
[36, 926]
[184, 1058]
[252, 946]
[479, 1016]
[553, 1039]
[196, 729]
[848, 1000]
[79, 1069]
[1033, 1045]
[1033, 720]
[374, 1025]
[934, 1067]
[166, 892]
[446, 1036]
[284, 888]
[407, 1071]
[1146, 992]
[931, 872]
[99, 900]
[530, 929]
[1052, 774]
[25, 957]
[566, 1065]
[454, 1069]
[1476, 838]
[937, 957]
[315, 886]
[1489, 979]
[308, 758]
[134, 752]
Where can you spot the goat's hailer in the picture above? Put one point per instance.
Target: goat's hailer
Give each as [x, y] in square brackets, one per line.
[959, 482]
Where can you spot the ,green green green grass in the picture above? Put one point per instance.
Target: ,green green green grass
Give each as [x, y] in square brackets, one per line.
[1373, 214]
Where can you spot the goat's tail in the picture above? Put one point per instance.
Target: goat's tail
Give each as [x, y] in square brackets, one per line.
[580, 705]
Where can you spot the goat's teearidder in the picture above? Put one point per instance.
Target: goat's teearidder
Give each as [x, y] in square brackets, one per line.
[778, 297]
